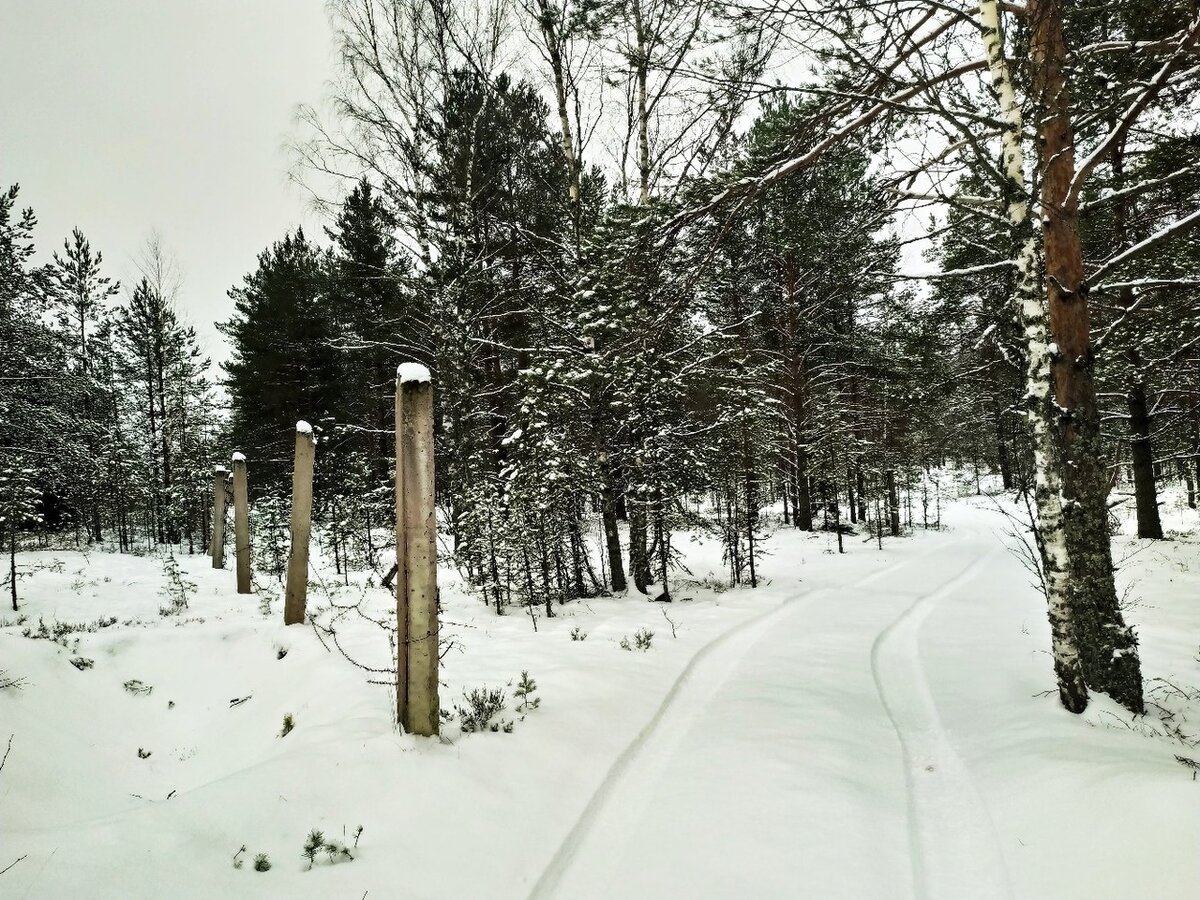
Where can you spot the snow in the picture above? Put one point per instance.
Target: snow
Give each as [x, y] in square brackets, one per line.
[303, 427]
[863, 726]
[241, 457]
[407, 372]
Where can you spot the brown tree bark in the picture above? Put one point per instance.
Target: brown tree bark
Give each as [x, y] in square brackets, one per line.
[1145, 491]
[1108, 648]
[612, 535]
[893, 503]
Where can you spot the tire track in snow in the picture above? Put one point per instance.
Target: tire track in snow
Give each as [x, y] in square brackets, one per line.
[954, 849]
[648, 753]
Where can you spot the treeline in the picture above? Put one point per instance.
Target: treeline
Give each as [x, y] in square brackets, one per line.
[107, 416]
[603, 379]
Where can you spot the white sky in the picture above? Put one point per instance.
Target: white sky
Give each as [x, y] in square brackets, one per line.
[125, 116]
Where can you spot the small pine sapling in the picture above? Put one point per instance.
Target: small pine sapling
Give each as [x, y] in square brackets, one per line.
[262, 863]
[483, 705]
[337, 851]
[524, 694]
[316, 843]
[288, 724]
[642, 639]
[312, 846]
[578, 634]
[177, 588]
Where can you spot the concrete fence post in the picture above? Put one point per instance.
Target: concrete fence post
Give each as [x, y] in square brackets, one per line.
[217, 545]
[241, 523]
[297, 569]
[418, 706]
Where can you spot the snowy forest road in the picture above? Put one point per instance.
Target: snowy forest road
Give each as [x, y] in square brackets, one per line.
[799, 755]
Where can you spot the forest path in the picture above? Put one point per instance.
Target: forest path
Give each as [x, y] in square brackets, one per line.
[791, 758]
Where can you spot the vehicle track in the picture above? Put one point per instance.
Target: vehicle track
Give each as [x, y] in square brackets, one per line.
[954, 849]
[645, 757]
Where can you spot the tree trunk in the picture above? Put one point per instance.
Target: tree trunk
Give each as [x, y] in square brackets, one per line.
[1002, 454]
[612, 535]
[1108, 648]
[1149, 525]
[851, 503]
[12, 566]
[1140, 447]
[1050, 530]
[893, 503]
[639, 562]
[803, 513]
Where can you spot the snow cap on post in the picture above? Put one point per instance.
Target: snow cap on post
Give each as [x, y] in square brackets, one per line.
[239, 456]
[303, 427]
[218, 470]
[406, 372]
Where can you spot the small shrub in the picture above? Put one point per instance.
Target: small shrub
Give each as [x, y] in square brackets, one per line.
[578, 634]
[483, 705]
[288, 724]
[59, 631]
[237, 857]
[9, 681]
[524, 693]
[281, 652]
[262, 863]
[143, 754]
[337, 851]
[312, 846]
[317, 843]
[134, 686]
[642, 639]
[82, 662]
[176, 590]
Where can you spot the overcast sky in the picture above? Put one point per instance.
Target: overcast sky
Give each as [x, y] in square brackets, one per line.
[123, 116]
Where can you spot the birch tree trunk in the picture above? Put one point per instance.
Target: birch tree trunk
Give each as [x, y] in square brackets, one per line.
[1108, 648]
[1031, 315]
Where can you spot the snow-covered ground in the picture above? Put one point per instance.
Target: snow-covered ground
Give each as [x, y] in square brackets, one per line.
[873, 725]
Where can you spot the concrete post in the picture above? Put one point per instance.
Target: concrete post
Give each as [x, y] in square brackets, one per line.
[417, 531]
[297, 570]
[217, 545]
[241, 523]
